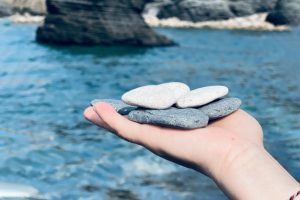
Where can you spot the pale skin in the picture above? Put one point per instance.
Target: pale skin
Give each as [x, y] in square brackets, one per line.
[230, 151]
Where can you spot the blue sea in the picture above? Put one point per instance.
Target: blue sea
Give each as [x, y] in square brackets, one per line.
[46, 143]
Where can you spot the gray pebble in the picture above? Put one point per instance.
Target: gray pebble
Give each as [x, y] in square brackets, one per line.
[188, 118]
[221, 108]
[121, 107]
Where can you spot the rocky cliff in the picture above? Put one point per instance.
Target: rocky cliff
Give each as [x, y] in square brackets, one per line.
[90, 22]
[204, 10]
[286, 12]
[33, 7]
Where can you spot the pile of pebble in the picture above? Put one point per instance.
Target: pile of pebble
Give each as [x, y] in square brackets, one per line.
[175, 105]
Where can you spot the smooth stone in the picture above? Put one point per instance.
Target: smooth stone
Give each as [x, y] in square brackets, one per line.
[178, 88]
[188, 118]
[161, 96]
[221, 108]
[202, 96]
[121, 107]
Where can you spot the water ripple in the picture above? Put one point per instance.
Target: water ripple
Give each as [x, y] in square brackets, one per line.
[46, 143]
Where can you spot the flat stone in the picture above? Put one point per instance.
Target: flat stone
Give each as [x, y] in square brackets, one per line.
[201, 96]
[161, 96]
[221, 108]
[121, 107]
[188, 118]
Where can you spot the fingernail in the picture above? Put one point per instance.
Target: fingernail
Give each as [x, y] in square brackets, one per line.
[95, 101]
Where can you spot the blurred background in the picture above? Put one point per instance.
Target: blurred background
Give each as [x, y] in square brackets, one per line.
[58, 55]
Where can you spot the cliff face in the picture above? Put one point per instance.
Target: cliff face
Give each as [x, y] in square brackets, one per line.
[286, 12]
[205, 10]
[90, 22]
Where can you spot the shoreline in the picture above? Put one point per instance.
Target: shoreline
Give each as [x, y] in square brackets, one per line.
[26, 18]
[254, 22]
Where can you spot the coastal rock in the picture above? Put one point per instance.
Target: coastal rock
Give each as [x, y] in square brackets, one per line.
[286, 12]
[221, 108]
[207, 10]
[121, 107]
[195, 10]
[259, 5]
[32, 7]
[156, 96]
[27, 18]
[90, 22]
[5, 10]
[255, 22]
[201, 96]
[189, 118]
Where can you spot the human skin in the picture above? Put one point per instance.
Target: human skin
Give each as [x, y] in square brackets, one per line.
[229, 150]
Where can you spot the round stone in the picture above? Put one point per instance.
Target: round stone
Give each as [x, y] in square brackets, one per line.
[221, 108]
[156, 96]
[188, 118]
[201, 96]
[121, 107]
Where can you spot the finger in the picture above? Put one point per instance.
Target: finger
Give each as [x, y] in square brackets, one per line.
[123, 127]
[100, 119]
[93, 117]
[151, 137]
[162, 141]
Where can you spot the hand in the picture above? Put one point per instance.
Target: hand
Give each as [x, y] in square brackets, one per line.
[230, 151]
[209, 150]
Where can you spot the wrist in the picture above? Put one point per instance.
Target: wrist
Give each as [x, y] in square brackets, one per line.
[252, 173]
[239, 156]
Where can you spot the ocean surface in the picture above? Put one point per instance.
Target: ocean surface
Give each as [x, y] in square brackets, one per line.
[46, 143]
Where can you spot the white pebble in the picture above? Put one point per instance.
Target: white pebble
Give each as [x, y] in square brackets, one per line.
[161, 96]
[201, 96]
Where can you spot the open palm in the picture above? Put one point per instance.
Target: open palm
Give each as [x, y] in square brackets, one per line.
[208, 150]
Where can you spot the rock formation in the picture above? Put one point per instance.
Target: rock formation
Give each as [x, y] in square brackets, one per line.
[205, 10]
[5, 10]
[33, 7]
[90, 22]
[286, 12]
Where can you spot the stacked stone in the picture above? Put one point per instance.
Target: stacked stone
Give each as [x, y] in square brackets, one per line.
[174, 105]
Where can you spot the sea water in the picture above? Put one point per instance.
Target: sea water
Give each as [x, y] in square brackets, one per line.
[46, 143]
